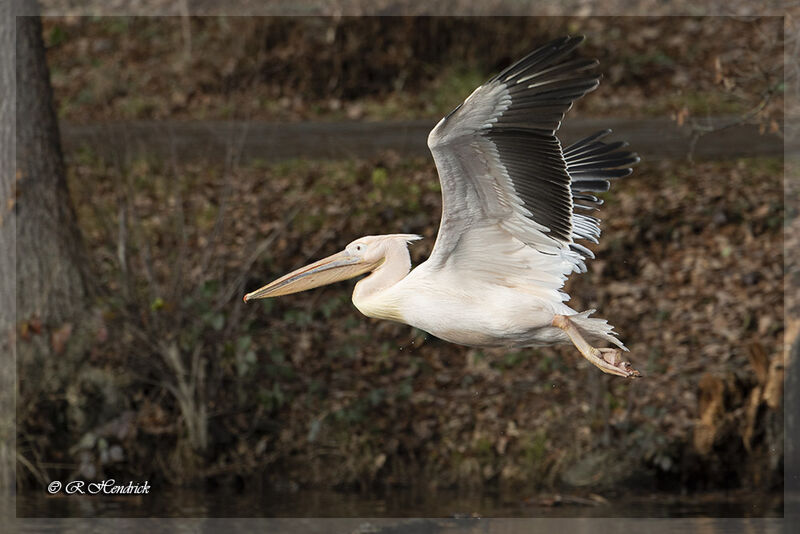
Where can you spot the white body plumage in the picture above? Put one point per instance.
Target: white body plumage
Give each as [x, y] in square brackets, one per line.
[464, 308]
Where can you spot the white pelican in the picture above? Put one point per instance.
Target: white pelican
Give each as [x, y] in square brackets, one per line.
[506, 241]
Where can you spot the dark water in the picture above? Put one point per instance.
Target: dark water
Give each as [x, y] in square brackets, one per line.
[186, 503]
[319, 512]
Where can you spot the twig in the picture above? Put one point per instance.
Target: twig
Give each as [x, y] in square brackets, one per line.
[232, 160]
[225, 295]
[186, 30]
[122, 245]
[189, 393]
[699, 130]
[177, 278]
[759, 72]
[32, 468]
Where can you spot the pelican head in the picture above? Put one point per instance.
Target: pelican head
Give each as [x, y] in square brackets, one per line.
[363, 255]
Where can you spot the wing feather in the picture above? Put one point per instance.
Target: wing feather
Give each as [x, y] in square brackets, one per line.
[508, 187]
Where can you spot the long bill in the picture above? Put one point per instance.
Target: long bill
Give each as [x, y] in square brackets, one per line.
[340, 266]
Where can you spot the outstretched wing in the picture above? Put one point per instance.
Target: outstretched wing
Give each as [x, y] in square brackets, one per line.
[507, 185]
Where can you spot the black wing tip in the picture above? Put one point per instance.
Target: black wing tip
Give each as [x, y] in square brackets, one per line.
[564, 44]
[564, 40]
[575, 39]
[631, 158]
[572, 42]
[593, 145]
[557, 48]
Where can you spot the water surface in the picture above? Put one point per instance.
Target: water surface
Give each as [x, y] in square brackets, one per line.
[172, 502]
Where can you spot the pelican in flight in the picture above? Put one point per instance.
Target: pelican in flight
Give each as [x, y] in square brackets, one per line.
[514, 203]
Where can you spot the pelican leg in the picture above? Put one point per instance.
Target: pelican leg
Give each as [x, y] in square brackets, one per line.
[607, 360]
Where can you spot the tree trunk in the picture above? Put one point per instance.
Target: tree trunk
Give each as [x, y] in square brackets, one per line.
[42, 260]
[51, 276]
[8, 287]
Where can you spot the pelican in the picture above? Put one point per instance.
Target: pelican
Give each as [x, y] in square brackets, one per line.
[510, 221]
